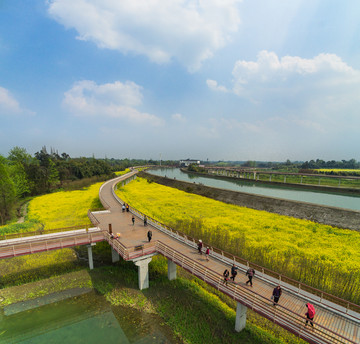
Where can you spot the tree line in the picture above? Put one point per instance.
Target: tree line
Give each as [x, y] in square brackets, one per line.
[23, 175]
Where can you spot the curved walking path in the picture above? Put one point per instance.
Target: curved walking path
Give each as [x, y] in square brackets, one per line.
[333, 323]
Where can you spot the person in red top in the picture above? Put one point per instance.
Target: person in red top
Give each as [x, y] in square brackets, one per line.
[310, 314]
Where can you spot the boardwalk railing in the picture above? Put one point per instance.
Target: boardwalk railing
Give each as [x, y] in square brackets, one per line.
[41, 232]
[283, 316]
[50, 241]
[266, 274]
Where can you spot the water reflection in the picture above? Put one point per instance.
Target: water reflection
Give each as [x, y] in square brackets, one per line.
[278, 191]
[86, 318]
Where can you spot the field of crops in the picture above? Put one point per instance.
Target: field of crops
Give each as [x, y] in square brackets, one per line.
[64, 208]
[325, 257]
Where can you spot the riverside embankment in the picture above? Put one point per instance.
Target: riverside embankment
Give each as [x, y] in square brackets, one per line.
[338, 217]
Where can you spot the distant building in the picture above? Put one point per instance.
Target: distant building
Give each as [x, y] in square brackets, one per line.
[187, 162]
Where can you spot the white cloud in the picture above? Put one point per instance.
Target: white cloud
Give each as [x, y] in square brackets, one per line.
[116, 100]
[213, 85]
[188, 30]
[320, 94]
[9, 105]
[178, 117]
[270, 70]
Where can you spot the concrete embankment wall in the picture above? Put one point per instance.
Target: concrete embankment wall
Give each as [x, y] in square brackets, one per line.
[322, 214]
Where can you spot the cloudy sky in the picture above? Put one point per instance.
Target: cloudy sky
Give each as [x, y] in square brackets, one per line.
[204, 79]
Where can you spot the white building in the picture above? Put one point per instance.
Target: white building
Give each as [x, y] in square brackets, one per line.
[187, 162]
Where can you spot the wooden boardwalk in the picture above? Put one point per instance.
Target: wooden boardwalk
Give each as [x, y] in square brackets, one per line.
[336, 320]
[334, 323]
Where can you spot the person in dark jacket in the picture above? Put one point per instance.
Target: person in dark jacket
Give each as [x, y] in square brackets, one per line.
[145, 221]
[226, 276]
[200, 245]
[133, 220]
[276, 295]
[233, 272]
[250, 274]
[149, 235]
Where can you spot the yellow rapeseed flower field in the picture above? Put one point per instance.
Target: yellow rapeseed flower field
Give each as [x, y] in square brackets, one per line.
[64, 208]
[320, 255]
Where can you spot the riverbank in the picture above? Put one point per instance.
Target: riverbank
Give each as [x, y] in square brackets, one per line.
[301, 186]
[337, 217]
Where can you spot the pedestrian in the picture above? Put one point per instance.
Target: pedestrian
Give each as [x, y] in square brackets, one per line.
[149, 235]
[127, 208]
[250, 273]
[276, 295]
[133, 220]
[123, 207]
[207, 253]
[145, 221]
[310, 314]
[233, 272]
[200, 245]
[111, 236]
[226, 276]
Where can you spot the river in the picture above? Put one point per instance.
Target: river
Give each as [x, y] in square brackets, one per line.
[278, 191]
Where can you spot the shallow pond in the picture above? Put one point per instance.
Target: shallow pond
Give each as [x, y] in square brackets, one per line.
[85, 318]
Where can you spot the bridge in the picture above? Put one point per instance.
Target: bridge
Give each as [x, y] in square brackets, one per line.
[336, 320]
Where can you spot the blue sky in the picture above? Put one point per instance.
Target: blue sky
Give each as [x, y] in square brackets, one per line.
[215, 79]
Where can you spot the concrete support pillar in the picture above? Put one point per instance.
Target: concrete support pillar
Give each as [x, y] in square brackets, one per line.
[301, 179]
[143, 272]
[90, 256]
[240, 321]
[171, 270]
[115, 257]
[270, 178]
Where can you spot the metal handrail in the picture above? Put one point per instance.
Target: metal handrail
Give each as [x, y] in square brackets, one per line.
[235, 291]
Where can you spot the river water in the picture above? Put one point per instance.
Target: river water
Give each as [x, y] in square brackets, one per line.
[86, 318]
[280, 191]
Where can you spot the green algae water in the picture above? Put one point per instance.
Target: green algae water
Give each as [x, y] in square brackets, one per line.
[85, 318]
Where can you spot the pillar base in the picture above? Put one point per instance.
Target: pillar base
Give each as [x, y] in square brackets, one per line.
[90, 256]
[115, 257]
[171, 270]
[143, 272]
[240, 321]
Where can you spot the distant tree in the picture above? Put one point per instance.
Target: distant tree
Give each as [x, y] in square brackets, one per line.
[7, 192]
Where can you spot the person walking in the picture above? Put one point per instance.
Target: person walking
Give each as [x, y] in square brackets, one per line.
[145, 221]
[123, 207]
[133, 220]
[250, 273]
[310, 314]
[276, 295]
[149, 235]
[200, 245]
[233, 272]
[127, 208]
[226, 276]
[207, 253]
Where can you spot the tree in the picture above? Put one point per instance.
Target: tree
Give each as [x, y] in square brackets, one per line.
[7, 192]
[19, 161]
